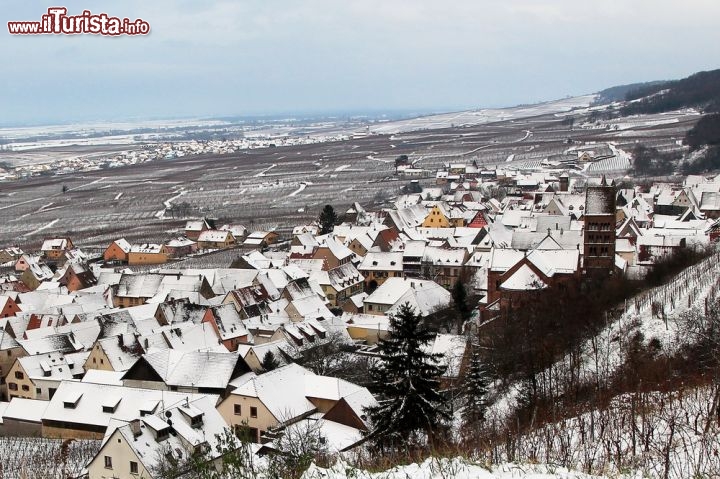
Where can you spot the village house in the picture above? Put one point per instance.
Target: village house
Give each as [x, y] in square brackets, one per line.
[137, 289]
[377, 267]
[213, 239]
[185, 371]
[340, 283]
[229, 325]
[438, 217]
[426, 297]
[116, 354]
[136, 448]
[279, 398]
[254, 354]
[445, 266]
[513, 275]
[238, 231]
[54, 249]
[39, 376]
[8, 307]
[369, 328]
[194, 228]
[84, 410]
[36, 274]
[10, 255]
[77, 277]
[308, 307]
[22, 417]
[24, 262]
[249, 301]
[260, 239]
[147, 253]
[361, 244]
[333, 254]
[117, 252]
[10, 350]
[179, 247]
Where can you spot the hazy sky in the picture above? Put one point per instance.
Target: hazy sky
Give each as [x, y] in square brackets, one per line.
[235, 57]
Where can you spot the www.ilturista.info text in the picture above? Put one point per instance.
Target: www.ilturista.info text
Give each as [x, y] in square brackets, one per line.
[57, 22]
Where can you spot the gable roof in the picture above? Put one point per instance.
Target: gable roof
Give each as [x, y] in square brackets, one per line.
[201, 369]
[523, 279]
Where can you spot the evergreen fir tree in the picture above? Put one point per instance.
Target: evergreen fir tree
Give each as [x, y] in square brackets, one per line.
[406, 379]
[327, 220]
[459, 295]
[474, 391]
[269, 362]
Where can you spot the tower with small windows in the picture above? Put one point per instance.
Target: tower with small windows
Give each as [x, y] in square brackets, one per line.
[599, 232]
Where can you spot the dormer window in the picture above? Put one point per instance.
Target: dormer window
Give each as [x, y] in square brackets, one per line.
[72, 400]
[110, 404]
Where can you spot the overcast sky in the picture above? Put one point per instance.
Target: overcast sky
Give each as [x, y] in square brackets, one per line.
[237, 57]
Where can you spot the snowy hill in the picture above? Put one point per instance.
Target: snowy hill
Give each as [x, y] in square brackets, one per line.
[447, 468]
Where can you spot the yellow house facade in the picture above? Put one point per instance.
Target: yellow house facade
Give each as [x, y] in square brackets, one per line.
[437, 219]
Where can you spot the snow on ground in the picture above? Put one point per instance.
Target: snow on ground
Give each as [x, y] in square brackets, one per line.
[263, 172]
[446, 468]
[39, 457]
[300, 188]
[478, 117]
[49, 225]
[168, 204]
[670, 435]
[343, 167]
[653, 314]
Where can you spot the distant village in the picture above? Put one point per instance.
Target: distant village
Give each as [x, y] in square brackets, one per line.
[141, 347]
[143, 153]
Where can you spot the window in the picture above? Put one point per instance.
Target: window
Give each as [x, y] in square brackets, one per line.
[19, 375]
[38, 391]
[133, 467]
[108, 462]
[12, 386]
[25, 387]
[237, 410]
[253, 412]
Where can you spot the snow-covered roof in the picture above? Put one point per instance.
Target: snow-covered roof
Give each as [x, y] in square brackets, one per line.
[200, 369]
[54, 244]
[451, 347]
[123, 245]
[141, 435]
[382, 261]
[88, 399]
[214, 236]
[523, 279]
[281, 390]
[54, 366]
[148, 248]
[423, 295]
[600, 200]
[26, 410]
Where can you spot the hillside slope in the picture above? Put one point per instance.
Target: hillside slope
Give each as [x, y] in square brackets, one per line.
[700, 90]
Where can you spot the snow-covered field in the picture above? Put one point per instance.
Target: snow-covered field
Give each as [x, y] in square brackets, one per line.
[478, 117]
[24, 457]
[671, 435]
[446, 469]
